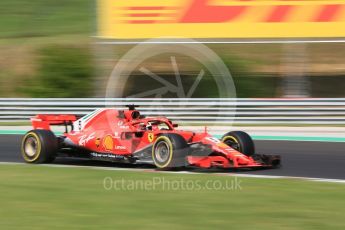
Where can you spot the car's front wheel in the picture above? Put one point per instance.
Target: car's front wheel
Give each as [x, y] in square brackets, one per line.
[169, 151]
[39, 146]
[240, 141]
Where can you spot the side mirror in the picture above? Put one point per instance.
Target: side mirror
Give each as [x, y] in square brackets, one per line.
[175, 125]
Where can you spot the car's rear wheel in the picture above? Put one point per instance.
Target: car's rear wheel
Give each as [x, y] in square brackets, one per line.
[169, 151]
[39, 146]
[240, 141]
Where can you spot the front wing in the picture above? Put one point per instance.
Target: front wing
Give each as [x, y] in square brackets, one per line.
[260, 161]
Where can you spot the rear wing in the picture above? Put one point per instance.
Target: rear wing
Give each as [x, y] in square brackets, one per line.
[44, 121]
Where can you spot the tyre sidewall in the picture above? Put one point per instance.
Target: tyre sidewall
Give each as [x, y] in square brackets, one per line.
[178, 150]
[46, 149]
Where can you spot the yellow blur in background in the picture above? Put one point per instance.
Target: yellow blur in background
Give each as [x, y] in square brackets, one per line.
[221, 19]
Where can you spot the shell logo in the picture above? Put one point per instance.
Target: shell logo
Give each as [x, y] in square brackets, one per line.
[221, 18]
[108, 143]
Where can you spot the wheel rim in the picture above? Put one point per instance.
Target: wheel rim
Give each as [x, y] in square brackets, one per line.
[162, 151]
[30, 146]
[232, 143]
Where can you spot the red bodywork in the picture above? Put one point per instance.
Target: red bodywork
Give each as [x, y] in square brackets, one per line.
[125, 133]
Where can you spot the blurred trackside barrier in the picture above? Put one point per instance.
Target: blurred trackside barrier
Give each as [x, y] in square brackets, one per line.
[252, 19]
[318, 111]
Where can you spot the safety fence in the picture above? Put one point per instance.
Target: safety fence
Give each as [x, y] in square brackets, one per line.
[320, 111]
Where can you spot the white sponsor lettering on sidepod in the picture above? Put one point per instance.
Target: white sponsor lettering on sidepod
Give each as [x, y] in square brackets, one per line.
[86, 138]
[212, 139]
[120, 147]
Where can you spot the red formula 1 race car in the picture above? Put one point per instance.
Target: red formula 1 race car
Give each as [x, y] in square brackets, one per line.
[127, 136]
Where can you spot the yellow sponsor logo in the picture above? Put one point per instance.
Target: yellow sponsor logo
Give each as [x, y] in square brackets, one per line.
[97, 142]
[222, 145]
[150, 137]
[108, 143]
[133, 19]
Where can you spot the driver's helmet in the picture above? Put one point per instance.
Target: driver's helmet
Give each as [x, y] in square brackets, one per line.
[152, 127]
[135, 114]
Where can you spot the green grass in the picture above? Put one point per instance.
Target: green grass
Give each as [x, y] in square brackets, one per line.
[42, 18]
[39, 197]
[28, 26]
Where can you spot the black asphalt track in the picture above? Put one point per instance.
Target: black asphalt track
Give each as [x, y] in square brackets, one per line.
[299, 159]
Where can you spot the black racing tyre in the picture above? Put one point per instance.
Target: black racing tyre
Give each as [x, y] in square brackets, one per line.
[39, 146]
[240, 141]
[169, 151]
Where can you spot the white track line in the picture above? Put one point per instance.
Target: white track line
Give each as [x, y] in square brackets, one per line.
[185, 172]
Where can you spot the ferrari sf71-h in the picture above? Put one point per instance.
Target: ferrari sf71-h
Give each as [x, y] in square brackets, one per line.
[127, 136]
